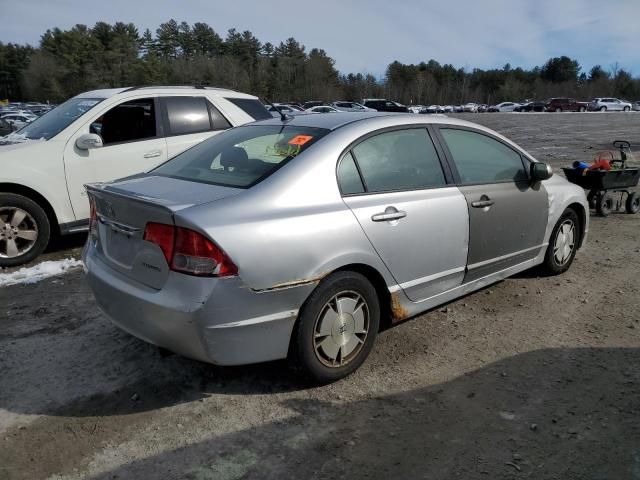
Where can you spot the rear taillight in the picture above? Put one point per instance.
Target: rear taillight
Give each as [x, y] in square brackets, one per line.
[93, 218]
[190, 252]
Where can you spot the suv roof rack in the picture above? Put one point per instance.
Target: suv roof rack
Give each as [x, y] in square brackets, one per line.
[200, 87]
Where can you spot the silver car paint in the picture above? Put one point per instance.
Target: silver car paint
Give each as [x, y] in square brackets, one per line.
[285, 234]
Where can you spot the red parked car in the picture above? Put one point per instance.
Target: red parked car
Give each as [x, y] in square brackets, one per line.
[563, 104]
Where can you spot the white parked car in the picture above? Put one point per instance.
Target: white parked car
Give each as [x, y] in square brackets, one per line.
[504, 107]
[99, 136]
[636, 106]
[323, 109]
[470, 107]
[351, 107]
[609, 104]
[18, 120]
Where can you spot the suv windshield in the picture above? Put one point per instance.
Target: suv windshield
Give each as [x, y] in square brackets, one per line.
[241, 157]
[56, 120]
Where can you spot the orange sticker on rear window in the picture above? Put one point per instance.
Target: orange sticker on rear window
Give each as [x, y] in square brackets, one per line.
[299, 139]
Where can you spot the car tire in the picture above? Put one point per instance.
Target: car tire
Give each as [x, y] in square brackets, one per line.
[583, 109]
[558, 109]
[603, 109]
[604, 204]
[563, 244]
[633, 203]
[336, 328]
[24, 237]
[626, 109]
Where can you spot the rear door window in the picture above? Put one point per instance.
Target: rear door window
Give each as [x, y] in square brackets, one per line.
[399, 160]
[482, 159]
[252, 107]
[186, 115]
[130, 121]
[241, 157]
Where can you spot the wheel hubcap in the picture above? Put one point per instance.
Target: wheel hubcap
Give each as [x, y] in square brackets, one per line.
[565, 241]
[341, 329]
[18, 232]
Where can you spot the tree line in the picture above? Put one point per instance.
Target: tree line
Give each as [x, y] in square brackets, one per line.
[67, 62]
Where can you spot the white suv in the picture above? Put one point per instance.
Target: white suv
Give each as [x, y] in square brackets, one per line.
[609, 104]
[99, 136]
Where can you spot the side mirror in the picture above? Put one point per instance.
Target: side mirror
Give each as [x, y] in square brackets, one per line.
[540, 171]
[88, 141]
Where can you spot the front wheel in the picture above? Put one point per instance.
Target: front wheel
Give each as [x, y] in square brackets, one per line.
[24, 230]
[336, 328]
[633, 203]
[626, 109]
[563, 244]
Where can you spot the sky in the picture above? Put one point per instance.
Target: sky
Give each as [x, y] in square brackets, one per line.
[365, 36]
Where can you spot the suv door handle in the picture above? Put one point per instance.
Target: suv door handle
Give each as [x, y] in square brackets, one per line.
[153, 154]
[389, 214]
[484, 201]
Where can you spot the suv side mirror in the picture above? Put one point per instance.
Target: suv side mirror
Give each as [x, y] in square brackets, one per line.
[88, 141]
[540, 171]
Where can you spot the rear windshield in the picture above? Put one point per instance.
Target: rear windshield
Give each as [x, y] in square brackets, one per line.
[243, 156]
[252, 107]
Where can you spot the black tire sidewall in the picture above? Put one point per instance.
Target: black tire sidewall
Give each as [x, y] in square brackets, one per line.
[631, 199]
[41, 219]
[302, 356]
[602, 204]
[550, 265]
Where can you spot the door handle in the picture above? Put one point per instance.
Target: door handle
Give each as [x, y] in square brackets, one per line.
[389, 214]
[484, 201]
[153, 154]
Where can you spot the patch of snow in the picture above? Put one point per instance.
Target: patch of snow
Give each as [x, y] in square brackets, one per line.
[39, 272]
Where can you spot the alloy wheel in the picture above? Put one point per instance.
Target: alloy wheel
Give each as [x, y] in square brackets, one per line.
[18, 232]
[341, 329]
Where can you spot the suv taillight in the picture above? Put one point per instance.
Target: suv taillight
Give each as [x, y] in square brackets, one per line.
[187, 251]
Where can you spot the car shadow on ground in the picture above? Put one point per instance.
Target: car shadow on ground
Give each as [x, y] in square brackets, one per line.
[552, 413]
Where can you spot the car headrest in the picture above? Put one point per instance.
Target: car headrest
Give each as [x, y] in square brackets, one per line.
[235, 157]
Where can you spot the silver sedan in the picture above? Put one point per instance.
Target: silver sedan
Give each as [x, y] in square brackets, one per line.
[300, 238]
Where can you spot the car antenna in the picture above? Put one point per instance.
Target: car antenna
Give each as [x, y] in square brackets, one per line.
[283, 116]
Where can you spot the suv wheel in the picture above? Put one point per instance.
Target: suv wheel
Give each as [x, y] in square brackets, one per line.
[336, 328]
[603, 109]
[558, 109]
[626, 109]
[583, 109]
[24, 230]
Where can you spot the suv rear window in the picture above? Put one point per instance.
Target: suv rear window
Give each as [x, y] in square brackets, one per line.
[252, 107]
[241, 157]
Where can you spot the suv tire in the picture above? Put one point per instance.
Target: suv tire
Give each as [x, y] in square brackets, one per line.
[24, 229]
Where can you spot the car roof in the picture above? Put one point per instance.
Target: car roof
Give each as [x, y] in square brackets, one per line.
[333, 121]
[109, 92]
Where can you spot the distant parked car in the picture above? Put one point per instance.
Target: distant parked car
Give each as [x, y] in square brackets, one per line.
[416, 108]
[530, 107]
[18, 120]
[564, 104]
[504, 107]
[323, 109]
[448, 109]
[434, 109]
[289, 110]
[609, 104]
[483, 107]
[383, 105]
[470, 107]
[636, 106]
[312, 103]
[350, 106]
[5, 128]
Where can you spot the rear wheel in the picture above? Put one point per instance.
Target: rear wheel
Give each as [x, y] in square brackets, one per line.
[563, 244]
[336, 328]
[583, 109]
[603, 109]
[604, 204]
[558, 109]
[24, 230]
[633, 203]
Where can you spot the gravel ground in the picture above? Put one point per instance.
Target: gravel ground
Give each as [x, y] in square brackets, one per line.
[531, 378]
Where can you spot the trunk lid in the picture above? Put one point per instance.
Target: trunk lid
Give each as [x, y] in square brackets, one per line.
[123, 209]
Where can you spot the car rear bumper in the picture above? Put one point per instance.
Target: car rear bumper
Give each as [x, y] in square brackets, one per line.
[215, 320]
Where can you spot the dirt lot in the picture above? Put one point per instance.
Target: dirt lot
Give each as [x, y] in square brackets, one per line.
[531, 378]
